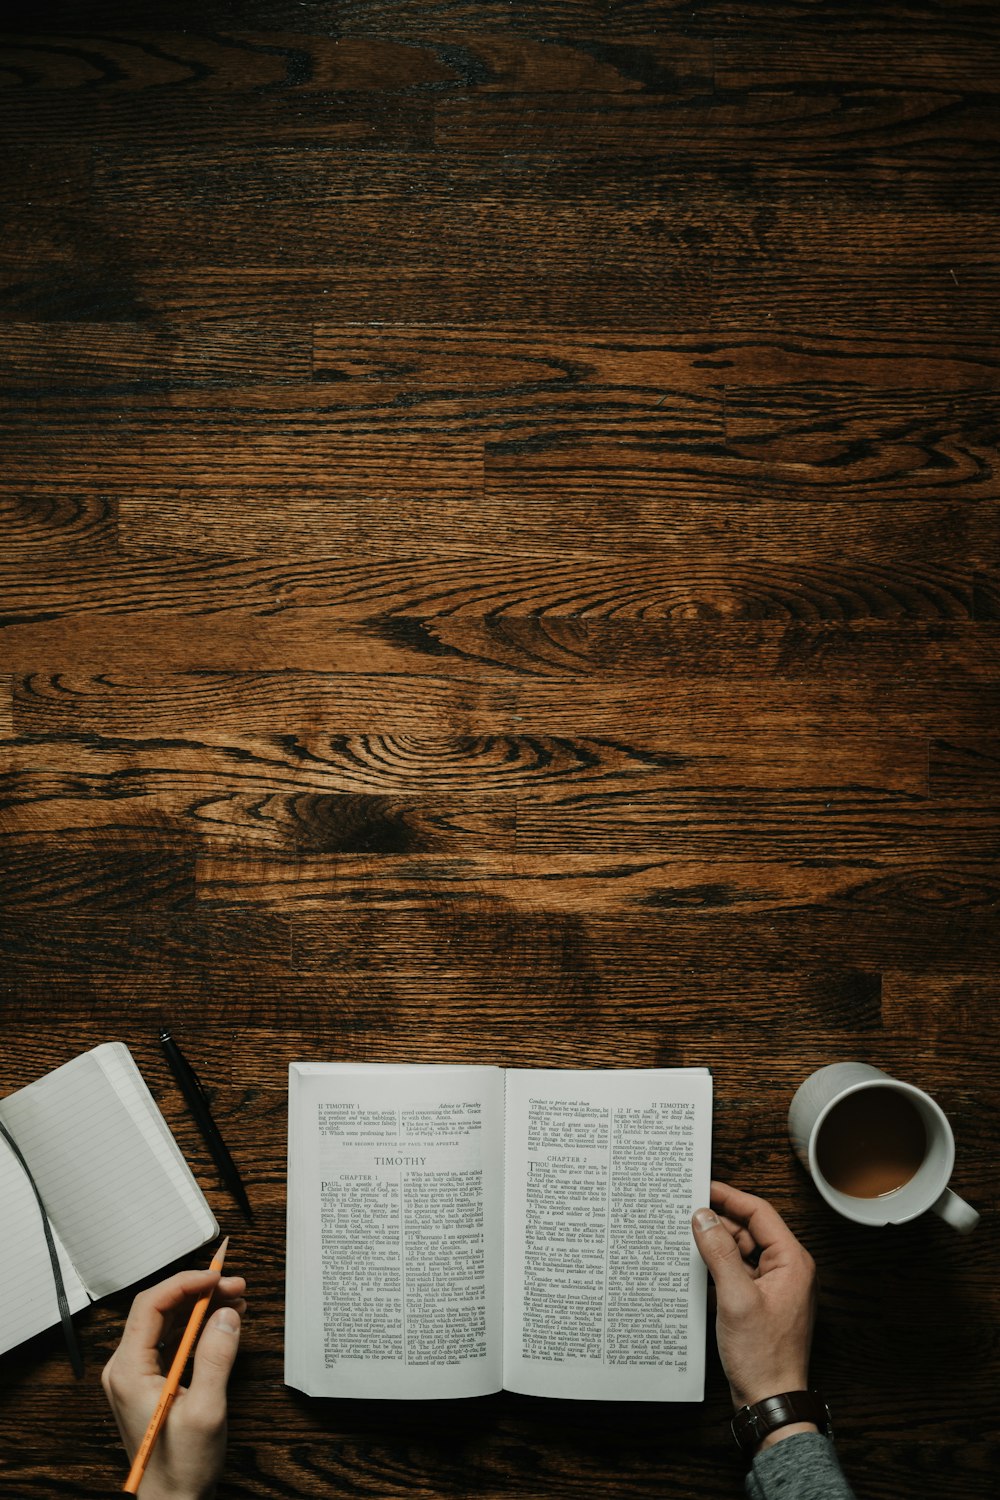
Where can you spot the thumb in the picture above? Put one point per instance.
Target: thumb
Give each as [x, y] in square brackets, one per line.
[215, 1355]
[719, 1251]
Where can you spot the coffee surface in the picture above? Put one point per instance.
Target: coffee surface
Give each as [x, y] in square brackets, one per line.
[871, 1143]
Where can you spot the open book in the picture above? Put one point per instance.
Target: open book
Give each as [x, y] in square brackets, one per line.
[119, 1195]
[456, 1230]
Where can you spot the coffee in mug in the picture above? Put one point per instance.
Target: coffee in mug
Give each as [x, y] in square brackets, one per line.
[871, 1142]
[879, 1150]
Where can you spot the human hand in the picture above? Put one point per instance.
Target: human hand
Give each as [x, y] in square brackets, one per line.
[191, 1448]
[765, 1308]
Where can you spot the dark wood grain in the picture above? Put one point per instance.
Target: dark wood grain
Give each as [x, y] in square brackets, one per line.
[500, 563]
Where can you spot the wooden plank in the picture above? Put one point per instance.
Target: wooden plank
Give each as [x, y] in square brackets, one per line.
[392, 794]
[164, 809]
[241, 641]
[307, 759]
[752, 497]
[566, 394]
[838, 124]
[557, 647]
[58, 365]
[693, 883]
[841, 206]
[945, 301]
[367, 416]
[401, 202]
[791, 706]
[897, 934]
[314, 65]
[158, 702]
[136, 59]
[634, 367]
[35, 944]
[36, 876]
[46, 577]
[175, 456]
[887, 49]
[865, 827]
[584, 503]
[885, 649]
[141, 118]
[241, 1036]
[637, 709]
[481, 290]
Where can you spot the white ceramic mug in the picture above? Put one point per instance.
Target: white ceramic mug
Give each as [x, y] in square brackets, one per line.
[926, 1189]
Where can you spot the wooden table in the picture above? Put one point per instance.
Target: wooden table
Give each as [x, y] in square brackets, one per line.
[498, 547]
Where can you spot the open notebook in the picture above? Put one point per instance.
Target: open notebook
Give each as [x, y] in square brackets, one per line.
[120, 1197]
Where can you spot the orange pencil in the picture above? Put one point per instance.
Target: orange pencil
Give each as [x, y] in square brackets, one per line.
[173, 1380]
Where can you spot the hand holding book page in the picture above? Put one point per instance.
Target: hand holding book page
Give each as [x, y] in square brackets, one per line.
[452, 1231]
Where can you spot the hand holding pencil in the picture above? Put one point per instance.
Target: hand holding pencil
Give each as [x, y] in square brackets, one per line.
[187, 1456]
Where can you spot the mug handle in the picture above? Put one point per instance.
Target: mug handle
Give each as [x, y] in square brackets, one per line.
[956, 1212]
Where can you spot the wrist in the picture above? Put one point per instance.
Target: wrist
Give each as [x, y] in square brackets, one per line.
[761, 1423]
[784, 1432]
[760, 1387]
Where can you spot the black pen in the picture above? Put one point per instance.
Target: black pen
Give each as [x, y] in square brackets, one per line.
[197, 1101]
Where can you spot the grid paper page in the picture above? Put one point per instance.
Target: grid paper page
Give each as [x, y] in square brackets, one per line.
[29, 1290]
[120, 1201]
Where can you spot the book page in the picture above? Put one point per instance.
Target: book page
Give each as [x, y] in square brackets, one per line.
[118, 1191]
[29, 1290]
[605, 1293]
[394, 1273]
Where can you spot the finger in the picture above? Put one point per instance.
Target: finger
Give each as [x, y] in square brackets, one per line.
[741, 1235]
[213, 1361]
[748, 1247]
[146, 1325]
[759, 1218]
[721, 1255]
[228, 1293]
[229, 1288]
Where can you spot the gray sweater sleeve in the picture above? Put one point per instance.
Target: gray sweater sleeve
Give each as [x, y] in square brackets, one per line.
[802, 1467]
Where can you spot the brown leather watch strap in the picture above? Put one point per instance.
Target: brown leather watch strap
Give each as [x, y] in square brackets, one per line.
[751, 1424]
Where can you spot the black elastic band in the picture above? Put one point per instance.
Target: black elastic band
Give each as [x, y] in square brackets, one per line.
[69, 1332]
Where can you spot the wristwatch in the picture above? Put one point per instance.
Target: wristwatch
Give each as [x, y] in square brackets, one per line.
[751, 1424]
